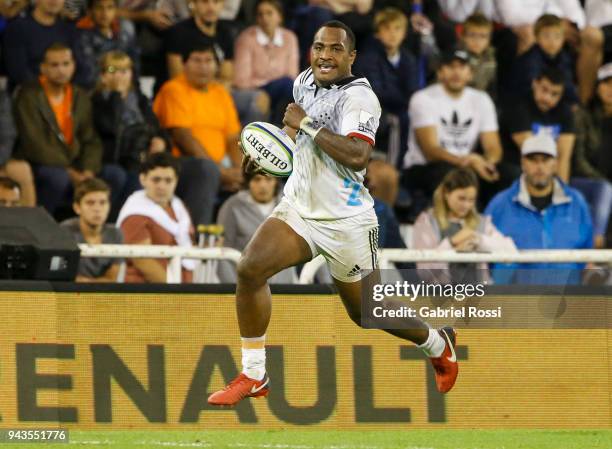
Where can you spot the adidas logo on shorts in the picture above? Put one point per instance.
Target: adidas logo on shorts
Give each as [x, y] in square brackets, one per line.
[355, 271]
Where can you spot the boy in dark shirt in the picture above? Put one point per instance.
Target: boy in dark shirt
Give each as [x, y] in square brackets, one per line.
[205, 28]
[27, 38]
[547, 52]
[101, 32]
[541, 112]
[393, 73]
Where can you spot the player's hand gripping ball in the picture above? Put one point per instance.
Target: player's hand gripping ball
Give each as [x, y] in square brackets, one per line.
[293, 115]
[269, 147]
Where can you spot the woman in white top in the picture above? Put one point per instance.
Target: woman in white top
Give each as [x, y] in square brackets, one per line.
[454, 223]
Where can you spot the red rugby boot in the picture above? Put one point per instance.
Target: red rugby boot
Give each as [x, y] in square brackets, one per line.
[239, 388]
[446, 366]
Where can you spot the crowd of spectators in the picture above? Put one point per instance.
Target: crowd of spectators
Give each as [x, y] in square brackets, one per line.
[496, 127]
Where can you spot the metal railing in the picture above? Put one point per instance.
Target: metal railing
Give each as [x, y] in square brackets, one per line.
[386, 256]
[175, 254]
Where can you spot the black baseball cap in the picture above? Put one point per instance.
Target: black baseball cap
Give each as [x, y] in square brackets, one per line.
[454, 55]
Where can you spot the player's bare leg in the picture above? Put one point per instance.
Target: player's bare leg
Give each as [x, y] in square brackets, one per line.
[274, 247]
[414, 330]
[439, 345]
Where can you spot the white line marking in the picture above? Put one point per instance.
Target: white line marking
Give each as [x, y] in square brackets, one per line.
[92, 442]
[240, 445]
[174, 443]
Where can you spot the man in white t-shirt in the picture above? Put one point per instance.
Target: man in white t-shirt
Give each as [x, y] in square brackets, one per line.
[447, 121]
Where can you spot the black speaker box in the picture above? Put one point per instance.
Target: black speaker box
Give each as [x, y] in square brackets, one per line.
[34, 247]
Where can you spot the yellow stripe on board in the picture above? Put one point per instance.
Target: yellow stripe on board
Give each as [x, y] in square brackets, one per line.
[149, 361]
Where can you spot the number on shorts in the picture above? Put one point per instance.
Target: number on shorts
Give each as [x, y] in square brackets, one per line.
[353, 199]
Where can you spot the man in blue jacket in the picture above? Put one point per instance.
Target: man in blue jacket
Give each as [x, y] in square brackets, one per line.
[539, 211]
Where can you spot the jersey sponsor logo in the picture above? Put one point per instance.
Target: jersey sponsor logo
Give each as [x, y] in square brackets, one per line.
[366, 122]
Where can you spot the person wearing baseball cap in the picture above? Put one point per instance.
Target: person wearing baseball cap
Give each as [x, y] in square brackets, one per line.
[541, 143]
[592, 167]
[604, 73]
[447, 121]
[455, 55]
[539, 211]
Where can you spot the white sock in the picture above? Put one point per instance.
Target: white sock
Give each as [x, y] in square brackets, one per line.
[435, 344]
[254, 360]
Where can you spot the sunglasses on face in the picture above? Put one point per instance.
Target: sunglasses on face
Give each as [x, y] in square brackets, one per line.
[115, 69]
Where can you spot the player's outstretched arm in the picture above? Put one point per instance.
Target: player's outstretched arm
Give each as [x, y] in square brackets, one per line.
[351, 152]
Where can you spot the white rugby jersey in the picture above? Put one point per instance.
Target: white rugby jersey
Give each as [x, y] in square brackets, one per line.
[319, 187]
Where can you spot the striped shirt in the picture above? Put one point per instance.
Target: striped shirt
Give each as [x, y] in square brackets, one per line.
[319, 187]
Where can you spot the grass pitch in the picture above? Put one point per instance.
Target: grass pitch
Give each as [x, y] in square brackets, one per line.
[295, 439]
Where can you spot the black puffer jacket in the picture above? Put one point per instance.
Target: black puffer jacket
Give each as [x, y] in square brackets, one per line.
[124, 144]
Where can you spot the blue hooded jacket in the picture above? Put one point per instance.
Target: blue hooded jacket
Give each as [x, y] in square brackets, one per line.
[564, 224]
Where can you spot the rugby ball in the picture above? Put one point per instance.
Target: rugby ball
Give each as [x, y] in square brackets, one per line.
[269, 146]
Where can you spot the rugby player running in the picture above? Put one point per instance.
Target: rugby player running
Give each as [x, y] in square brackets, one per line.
[325, 210]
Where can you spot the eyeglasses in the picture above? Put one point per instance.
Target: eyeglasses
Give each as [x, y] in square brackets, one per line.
[115, 69]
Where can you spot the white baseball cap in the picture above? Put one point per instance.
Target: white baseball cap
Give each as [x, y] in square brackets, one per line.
[604, 72]
[541, 143]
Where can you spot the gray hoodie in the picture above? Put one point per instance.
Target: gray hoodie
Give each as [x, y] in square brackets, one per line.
[241, 216]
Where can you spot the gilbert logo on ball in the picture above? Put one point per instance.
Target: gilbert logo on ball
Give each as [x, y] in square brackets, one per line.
[269, 146]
